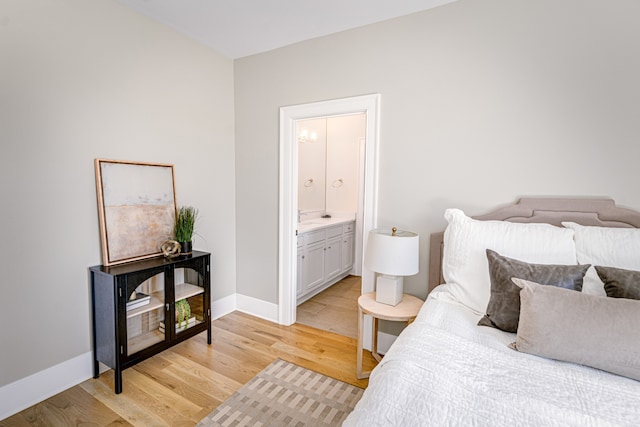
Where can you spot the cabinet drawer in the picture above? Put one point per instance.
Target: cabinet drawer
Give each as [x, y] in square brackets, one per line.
[334, 231]
[314, 236]
[348, 228]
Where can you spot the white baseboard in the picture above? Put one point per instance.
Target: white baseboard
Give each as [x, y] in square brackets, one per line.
[35, 388]
[223, 306]
[256, 307]
[253, 306]
[384, 341]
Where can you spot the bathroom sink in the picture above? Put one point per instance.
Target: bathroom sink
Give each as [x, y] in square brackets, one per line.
[314, 223]
[318, 221]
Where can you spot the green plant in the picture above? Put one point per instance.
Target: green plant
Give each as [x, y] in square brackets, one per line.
[185, 223]
[183, 312]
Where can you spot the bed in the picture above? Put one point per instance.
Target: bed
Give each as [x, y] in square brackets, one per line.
[573, 357]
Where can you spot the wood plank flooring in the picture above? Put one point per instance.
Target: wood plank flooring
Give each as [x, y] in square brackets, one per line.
[179, 386]
[334, 309]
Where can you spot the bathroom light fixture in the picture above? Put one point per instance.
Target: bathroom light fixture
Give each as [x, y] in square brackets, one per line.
[393, 254]
[307, 136]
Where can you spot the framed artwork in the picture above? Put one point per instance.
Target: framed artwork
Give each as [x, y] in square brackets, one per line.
[136, 209]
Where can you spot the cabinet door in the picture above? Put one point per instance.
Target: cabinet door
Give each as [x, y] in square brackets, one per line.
[313, 269]
[190, 304]
[347, 252]
[144, 307]
[332, 260]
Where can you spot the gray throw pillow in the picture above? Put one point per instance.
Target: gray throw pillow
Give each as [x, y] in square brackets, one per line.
[503, 309]
[620, 283]
[580, 328]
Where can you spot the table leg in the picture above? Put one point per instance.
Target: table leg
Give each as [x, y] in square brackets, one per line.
[374, 340]
[359, 373]
[117, 380]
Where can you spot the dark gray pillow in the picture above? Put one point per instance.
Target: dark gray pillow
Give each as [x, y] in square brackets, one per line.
[503, 309]
[620, 283]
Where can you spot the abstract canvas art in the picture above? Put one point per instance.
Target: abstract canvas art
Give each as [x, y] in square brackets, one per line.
[136, 208]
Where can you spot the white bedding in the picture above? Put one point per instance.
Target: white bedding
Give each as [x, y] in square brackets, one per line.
[443, 370]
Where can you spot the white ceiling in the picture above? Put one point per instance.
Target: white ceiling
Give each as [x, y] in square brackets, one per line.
[238, 28]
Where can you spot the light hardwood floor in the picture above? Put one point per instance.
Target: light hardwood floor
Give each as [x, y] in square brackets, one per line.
[179, 386]
[335, 309]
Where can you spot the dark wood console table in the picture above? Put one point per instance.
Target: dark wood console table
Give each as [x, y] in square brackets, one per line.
[137, 307]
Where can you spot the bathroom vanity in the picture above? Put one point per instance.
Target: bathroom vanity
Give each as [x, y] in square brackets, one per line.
[325, 254]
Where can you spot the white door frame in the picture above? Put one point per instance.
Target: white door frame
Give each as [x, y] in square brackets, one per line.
[288, 204]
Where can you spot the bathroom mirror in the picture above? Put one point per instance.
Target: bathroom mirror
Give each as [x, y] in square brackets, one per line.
[312, 160]
[330, 150]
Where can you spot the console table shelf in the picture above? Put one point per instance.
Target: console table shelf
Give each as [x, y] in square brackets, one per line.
[121, 337]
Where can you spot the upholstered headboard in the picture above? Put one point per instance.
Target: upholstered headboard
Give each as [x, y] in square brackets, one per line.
[599, 212]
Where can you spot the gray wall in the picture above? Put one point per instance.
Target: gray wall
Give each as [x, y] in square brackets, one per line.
[482, 102]
[81, 80]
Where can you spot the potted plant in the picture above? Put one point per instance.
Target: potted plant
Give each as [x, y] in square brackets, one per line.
[183, 313]
[184, 226]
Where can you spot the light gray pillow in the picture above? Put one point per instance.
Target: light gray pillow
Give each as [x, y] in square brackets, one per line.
[576, 327]
[503, 309]
[620, 283]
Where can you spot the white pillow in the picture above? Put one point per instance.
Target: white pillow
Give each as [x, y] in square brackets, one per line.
[605, 246]
[464, 263]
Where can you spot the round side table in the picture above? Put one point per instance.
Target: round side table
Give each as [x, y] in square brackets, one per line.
[405, 311]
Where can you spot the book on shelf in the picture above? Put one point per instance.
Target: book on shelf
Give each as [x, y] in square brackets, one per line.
[179, 327]
[140, 300]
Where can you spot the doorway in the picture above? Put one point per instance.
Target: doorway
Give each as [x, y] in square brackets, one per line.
[288, 217]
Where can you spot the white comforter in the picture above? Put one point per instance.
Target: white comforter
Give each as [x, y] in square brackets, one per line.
[444, 370]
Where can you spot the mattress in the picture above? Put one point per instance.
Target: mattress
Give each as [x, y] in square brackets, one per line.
[445, 370]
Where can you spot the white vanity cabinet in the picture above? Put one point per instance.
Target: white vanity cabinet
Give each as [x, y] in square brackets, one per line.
[300, 261]
[332, 252]
[347, 246]
[325, 256]
[313, 255]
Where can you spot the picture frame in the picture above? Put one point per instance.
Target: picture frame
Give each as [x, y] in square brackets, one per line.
[136, 208]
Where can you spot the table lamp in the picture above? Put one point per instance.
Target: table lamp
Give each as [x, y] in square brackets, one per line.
[393, 254]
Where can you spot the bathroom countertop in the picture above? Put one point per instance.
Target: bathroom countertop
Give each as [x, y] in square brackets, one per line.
[318, 223]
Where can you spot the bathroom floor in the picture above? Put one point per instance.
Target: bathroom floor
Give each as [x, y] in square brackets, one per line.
[334, 309]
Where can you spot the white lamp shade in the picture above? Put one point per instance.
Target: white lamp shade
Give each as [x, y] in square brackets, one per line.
[393, 255]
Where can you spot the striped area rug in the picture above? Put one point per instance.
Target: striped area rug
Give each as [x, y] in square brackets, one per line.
[284, 394]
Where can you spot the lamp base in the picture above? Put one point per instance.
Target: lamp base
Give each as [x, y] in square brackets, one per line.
[389, 289]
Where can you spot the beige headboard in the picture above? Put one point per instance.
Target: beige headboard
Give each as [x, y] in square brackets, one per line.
[601, 212]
